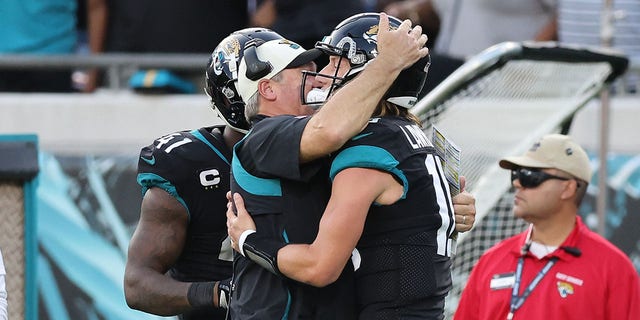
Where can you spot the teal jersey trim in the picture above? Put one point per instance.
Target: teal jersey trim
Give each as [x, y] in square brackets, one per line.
[253, 184]
[360, 136]
[288, 308]
[368, 157]
[200, 137]
[148, 180]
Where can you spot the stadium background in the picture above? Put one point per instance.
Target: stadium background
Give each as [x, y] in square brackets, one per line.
[88, 202]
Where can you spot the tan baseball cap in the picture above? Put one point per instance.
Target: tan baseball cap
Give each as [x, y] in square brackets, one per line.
[553, 151]
[279, 54]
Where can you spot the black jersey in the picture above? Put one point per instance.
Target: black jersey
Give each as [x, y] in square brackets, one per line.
[193, 167]
[405, 247]
[286, 200]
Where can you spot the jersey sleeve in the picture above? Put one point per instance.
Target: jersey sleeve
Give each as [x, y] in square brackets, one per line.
[272, 149]
[376, 147]
[177, 163]
[154, 170]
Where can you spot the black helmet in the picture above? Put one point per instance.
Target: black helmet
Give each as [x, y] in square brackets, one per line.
[356, 39]
[222, 74]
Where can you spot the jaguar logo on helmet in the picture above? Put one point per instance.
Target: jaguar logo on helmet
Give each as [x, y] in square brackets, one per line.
[222, 73]
[227, 54]
[371, 35]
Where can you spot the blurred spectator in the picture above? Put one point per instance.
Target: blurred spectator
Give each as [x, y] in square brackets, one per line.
[581, 22]
[37, 27]
[466, 27]
[470, 26]
[170, 26]
[419, 12]
[92, 31]
[304, 21]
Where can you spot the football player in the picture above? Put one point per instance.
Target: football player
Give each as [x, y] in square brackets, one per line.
[179, 255]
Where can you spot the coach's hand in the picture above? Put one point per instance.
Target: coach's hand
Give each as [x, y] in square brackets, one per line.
[238, 220]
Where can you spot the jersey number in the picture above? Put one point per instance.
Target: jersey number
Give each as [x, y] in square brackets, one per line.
[446, 245]
[166, 139]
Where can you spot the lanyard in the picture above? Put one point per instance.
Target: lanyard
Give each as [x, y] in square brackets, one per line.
[518, 300]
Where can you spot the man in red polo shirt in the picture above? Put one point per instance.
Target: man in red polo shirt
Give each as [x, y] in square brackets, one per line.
[558, 268]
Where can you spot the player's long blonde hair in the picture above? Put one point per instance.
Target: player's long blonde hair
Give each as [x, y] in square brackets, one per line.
[386, 108]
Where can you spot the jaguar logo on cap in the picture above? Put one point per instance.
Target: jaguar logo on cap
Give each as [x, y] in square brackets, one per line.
[290, 43]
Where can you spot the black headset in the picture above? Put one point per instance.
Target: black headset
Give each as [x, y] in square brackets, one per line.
[256, 68]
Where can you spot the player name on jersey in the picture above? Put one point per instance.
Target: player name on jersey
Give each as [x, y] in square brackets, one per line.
[416, 137]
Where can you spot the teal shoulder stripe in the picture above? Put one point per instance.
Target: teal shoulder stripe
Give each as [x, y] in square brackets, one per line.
[148, 180]
[253, 184]
[200, 137]
[368, 157]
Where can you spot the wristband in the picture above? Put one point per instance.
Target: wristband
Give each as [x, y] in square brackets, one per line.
[242, 239]
[224, 291]
[200, 294]
[263, 251]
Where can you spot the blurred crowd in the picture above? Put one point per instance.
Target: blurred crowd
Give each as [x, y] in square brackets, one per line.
[457, 29]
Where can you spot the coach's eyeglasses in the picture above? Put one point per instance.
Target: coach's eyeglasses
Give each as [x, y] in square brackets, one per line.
[531, 178]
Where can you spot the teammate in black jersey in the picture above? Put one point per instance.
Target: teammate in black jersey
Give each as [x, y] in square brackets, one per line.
[178, 253]
[284, 187]
[389, 176]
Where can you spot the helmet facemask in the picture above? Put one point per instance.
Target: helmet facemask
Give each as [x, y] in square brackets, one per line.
[345, 49]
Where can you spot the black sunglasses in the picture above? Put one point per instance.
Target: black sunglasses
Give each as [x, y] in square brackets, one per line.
[531, 178]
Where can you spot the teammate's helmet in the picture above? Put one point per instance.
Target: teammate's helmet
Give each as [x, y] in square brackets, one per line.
[222, 75]
[356, 39]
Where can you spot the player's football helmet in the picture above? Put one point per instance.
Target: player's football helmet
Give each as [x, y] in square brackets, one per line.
[221, 75]
[356, 39]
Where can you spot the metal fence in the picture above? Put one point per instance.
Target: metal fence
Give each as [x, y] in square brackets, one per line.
[117, 66]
